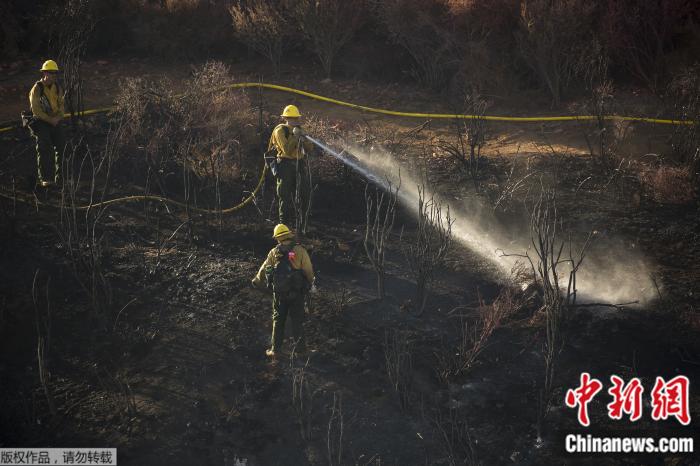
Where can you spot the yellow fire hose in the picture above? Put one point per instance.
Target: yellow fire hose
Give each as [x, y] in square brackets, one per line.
[417, 115]
[453, 115]
[137, 198]
[247, 200]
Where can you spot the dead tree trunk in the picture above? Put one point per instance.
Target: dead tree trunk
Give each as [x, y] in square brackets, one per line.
[554, 264]
[381, 213]
[72, 34]
[430, 247]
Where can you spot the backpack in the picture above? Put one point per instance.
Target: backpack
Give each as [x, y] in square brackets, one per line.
[286, 281]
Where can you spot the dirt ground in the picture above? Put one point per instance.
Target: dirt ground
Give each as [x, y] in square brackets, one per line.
[175, 374]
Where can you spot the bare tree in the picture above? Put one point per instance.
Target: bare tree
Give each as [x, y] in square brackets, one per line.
[183, 155]
[555, 38]
[262, 27]
[427, 252]
[72, 29]
[381, 213]
[327, 25]
[10, 30]
[398, 357]
[454, 439]
[685, 95]
[642, 35]
[600, 88]
[334, 434]
[42, 321]
[419, 27]
[470, 137]
[554, 264]
[303, 400]
[81, 227]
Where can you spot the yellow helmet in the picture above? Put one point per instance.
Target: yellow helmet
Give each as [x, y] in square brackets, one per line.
[291, 111]
[281, 232]
[49, 65]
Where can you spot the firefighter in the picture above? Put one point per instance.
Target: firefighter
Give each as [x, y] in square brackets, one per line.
[287, 149]
[46, 103]
[288, 272]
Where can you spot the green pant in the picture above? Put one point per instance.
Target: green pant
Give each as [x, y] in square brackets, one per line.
[281, 309]
[50, 144]
[292, 175]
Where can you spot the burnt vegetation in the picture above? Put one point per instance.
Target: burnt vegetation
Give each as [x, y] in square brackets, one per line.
[126, 316]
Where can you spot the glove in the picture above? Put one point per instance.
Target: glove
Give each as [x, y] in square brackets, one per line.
[297, 131]
[256, 284]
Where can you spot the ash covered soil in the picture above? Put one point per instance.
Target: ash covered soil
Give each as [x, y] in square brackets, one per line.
[174, 371]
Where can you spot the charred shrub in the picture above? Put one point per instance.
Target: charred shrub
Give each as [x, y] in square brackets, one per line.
[327, 25]
[262, 27]
[474, 333]
[556, 39]
[668, 185]
[640, 35]
[71, 34]
[181, 28]
[10, 31]
[398, 358]
[685, 142]
[470, 138]
[203, 129]
[484, 43]
[168, 29]
[423, 29]
[427, 252]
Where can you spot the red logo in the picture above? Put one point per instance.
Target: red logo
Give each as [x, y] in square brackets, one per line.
[671, 399]
[582, 396]
[668, 399]
[627, 399]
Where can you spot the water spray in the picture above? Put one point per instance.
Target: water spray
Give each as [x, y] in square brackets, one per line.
[351, 162]
[607, 277]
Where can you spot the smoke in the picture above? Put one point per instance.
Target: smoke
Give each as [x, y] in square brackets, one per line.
[610, 273]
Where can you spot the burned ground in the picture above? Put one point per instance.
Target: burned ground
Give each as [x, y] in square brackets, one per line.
[171, 368]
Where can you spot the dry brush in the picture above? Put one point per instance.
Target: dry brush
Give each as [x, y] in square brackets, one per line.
[381, 214]
[431, 245]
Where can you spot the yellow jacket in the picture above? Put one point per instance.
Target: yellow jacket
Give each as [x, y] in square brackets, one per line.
[47, 104]
[300, 261]
[286, 143]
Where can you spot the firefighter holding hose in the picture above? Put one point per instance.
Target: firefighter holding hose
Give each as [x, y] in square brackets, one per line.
[286, 156]
[289, 274]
